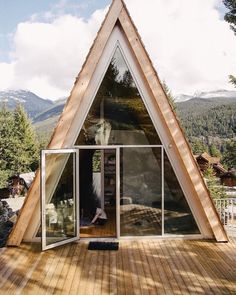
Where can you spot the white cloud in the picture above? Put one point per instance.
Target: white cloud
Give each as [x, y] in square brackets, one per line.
[48, 55]
[7, 75]
[192, 48]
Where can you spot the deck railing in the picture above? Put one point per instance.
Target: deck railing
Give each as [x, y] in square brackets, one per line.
[227, 211]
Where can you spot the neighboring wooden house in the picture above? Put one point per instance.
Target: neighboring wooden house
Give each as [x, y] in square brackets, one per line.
[119, 147]
[229, 178]
[206, 161]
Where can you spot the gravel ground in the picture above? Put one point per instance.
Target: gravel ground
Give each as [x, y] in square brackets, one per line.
[15, 203]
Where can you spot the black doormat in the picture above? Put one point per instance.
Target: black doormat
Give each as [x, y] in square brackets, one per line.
[103, 246]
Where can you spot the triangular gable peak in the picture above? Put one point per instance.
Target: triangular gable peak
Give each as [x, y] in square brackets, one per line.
[119, 28]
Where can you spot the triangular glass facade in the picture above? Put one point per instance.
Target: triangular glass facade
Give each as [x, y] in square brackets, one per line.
[118, 115]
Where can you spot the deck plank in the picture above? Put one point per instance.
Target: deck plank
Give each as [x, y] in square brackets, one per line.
[178, 264]
[223, 274]
[189, 272]
[120, 273]
[157, 276]
[155, 246]
[17, 277]
[71, 271]
[79, 267]
[64, 269]
[134, 273]
[99, 273]
[138, 267]
[8, 260]
[150, 277]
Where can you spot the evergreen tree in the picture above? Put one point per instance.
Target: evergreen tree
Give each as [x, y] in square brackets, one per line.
[26, 148]
[229, 156]
[214, 152]
[232, 80]
[7, 143]
[198, 146]
[230, 16]
[18, 145]
[110, 81]
[128, 86]
[169, 95]
[216, 190]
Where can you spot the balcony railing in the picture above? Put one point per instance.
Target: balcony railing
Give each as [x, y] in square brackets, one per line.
[227, 211]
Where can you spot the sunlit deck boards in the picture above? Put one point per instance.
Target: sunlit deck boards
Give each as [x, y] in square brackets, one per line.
[143, 267]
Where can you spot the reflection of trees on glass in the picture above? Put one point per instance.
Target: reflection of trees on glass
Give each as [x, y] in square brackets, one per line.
[178, 216]
[118, 114]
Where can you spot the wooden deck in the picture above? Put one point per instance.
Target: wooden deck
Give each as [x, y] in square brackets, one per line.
[143, 267]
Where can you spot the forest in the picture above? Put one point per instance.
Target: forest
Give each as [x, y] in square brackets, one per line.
[209, 125]
[208, 117]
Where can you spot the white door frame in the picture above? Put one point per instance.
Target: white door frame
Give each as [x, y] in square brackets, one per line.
[43, 194]
[117, 151]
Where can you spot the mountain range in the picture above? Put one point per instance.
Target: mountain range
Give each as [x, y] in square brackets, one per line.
[204, 113]
[205, 95]
[207, 118]
[32, 103]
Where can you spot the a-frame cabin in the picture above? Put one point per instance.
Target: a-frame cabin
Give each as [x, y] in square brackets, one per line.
[117, 150]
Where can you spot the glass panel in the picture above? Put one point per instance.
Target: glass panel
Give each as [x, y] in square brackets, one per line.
[140, 198]
[118, 115]
[97, 193]
[60, 211]
[178, 216]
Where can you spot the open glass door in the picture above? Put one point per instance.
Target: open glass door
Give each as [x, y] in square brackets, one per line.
[59, 197]
[98, 191]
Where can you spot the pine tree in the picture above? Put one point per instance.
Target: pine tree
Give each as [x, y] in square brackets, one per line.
[18, 145]
[214, 151]
[169, 95]
[7, 143]
[229, 156]
[232, 80]
[216, 190]
[198, 147]
[230, 16]
[26, 148]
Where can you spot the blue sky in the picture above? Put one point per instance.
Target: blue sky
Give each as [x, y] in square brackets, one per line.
[43, 43]
[13, 12]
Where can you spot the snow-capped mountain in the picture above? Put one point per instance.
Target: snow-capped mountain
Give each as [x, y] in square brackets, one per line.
[218, 93]
[32, 103]
[207, 95]
[182, 97]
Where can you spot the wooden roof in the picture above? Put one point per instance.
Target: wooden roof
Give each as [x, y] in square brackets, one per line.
[208, 158]
[230, 174]
[175, 143]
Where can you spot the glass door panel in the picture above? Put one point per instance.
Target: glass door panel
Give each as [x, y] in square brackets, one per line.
[140, 191]
[178, 217]
[59, 198]
[97, 192]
